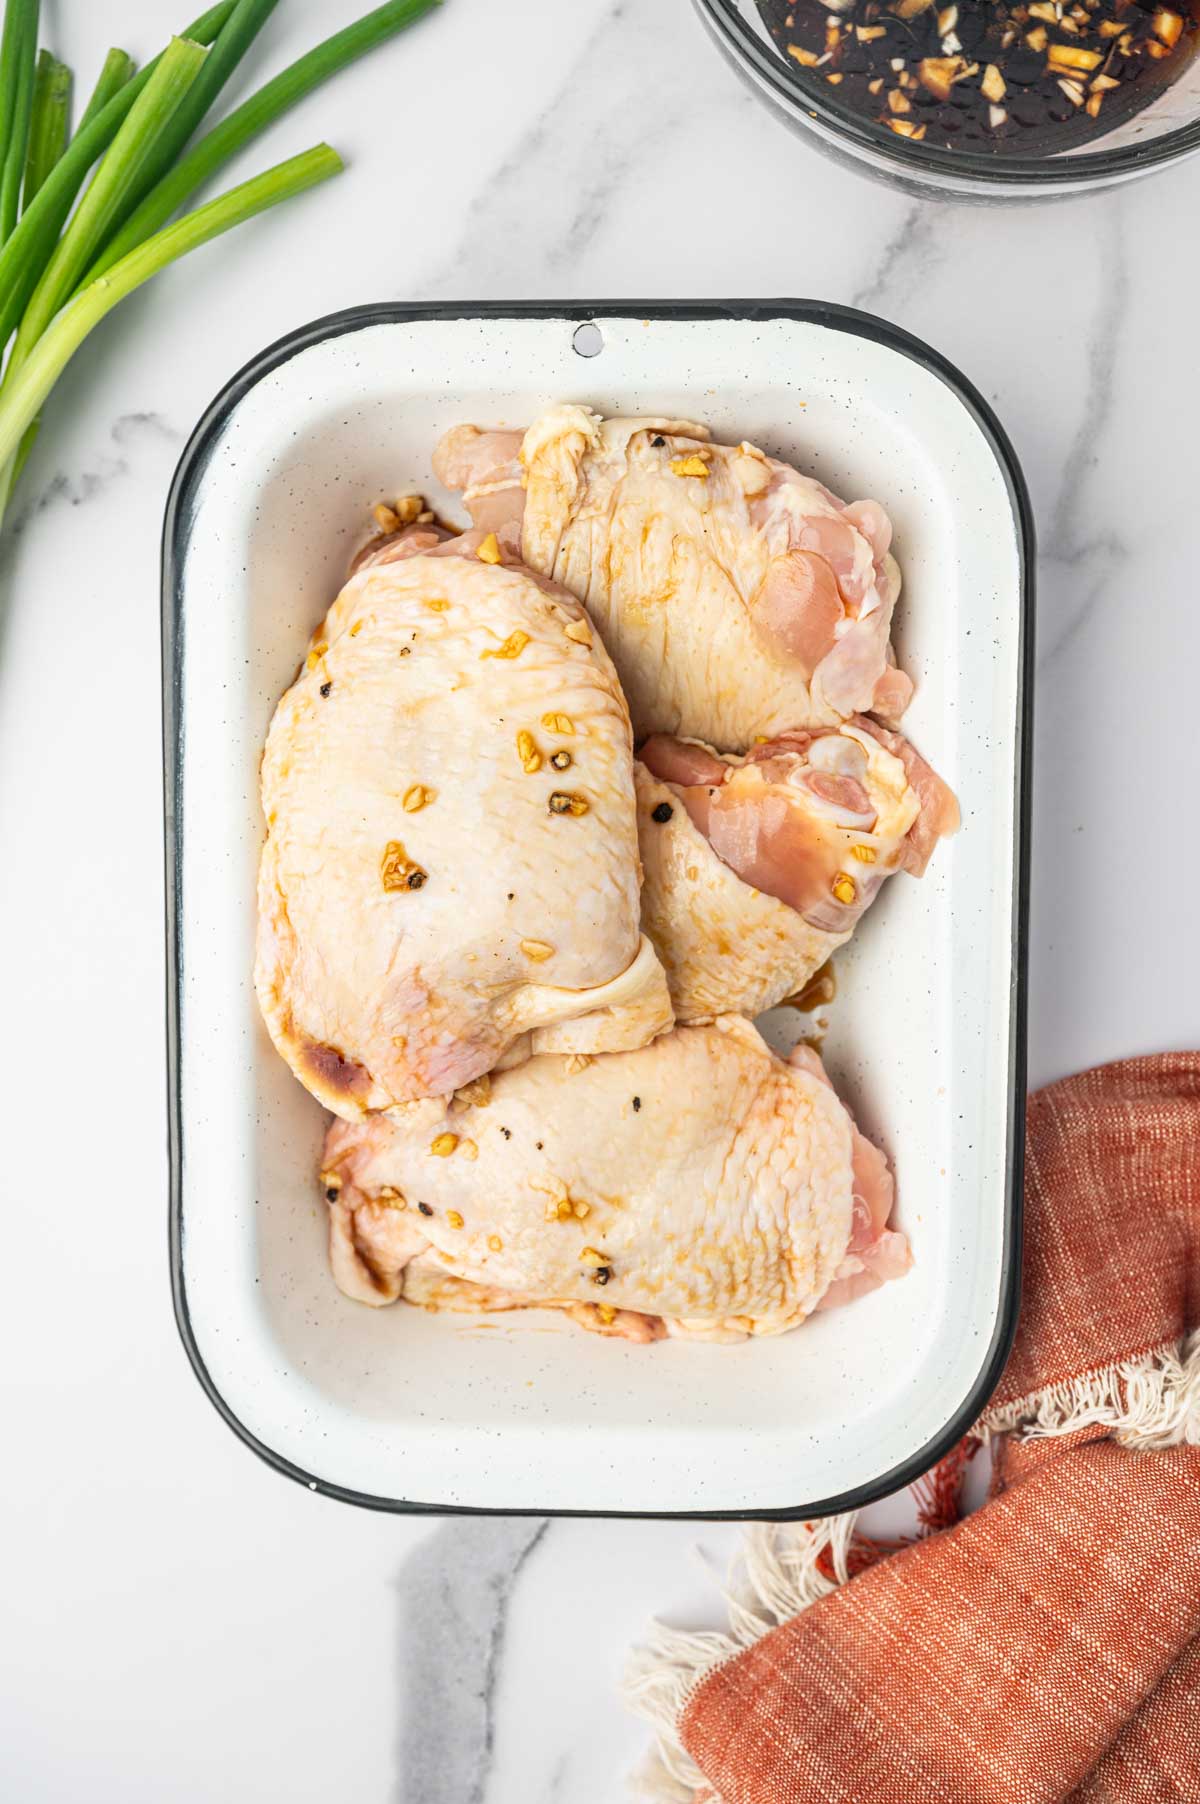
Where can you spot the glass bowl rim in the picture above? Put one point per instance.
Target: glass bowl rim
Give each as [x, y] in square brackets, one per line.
[1074, 170]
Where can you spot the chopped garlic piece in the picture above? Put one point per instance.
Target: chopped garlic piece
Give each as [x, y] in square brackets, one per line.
[563, 802]
[512, 647]
[692, 465]
[527, 752]
[1071, 57]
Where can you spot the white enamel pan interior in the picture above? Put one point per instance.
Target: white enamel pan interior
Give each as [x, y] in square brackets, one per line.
[403, 1409]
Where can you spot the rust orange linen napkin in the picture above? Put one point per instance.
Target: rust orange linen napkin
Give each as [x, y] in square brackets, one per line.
[1047, 1647]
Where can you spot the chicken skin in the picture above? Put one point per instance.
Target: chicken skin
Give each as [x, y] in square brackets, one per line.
[699, 1187]
[736, 597]
[758, 868]
[450, 876]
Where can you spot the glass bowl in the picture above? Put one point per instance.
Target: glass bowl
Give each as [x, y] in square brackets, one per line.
[1163, 133]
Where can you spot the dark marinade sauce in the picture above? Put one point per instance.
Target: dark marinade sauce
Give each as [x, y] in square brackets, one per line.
[982, 75]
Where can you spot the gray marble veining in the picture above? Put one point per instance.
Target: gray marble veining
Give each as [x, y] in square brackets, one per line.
[495, 233]
[911, 252]
[614, 116]
[454, 1594]
[77, 488]
[1082, 556]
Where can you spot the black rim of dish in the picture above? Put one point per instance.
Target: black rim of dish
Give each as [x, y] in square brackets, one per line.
[743, 45]
[176, 528]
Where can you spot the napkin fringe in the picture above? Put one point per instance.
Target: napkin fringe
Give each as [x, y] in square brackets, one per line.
[1147, 1402]
[780, 1570]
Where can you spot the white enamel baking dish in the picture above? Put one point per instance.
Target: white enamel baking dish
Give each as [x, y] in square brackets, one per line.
[401, 1409]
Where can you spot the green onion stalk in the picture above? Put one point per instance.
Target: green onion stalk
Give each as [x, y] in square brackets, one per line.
[50, 125]
[229, 47]
[61, 271]
[22, 397]
[27, 251]
[257, 113]
[18, 78]
[119, 67]
[127, 157]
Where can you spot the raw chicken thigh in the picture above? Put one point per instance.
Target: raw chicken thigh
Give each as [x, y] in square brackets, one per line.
[735, 596]
[700, 1187]
[451, 872]
[758, 868]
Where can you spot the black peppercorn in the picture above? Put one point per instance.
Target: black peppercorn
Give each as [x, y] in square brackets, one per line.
[325, 688]
[662, 813]
[331, 1195]
[424, 1208]
[637, 1103]
[415, 879]
[658, 441]
[602, 1274]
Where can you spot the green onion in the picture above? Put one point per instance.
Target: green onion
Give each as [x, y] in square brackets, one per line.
[25, 255]
[130, 152]
[21, 400]
[254, 115]
[20, 18]
[10, 55]
[170, 81]
[135, 129]
[117, 70]
[234, 39]
[49, 128]
[19, 56]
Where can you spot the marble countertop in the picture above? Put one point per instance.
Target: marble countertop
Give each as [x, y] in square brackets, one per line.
[181, 1622]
